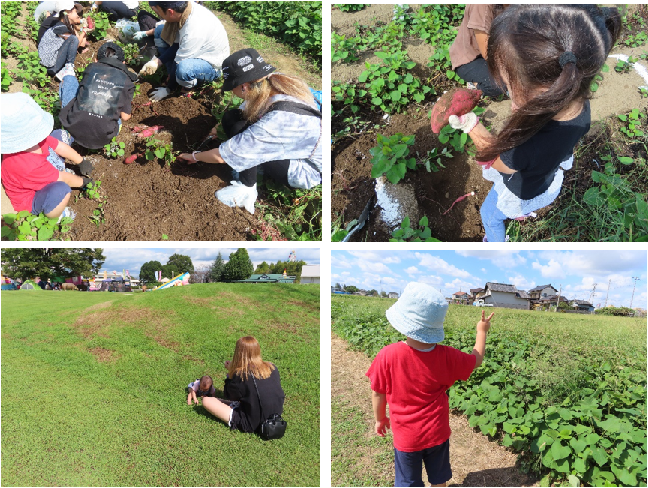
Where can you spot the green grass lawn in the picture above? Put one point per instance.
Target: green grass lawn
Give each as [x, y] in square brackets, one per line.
[93, 386]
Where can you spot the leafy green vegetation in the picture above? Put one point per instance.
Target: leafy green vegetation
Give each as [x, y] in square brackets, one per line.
[298, 24]
[24, 226]
[586, 427]
[390, 157]
[405, 233]
[111, 371]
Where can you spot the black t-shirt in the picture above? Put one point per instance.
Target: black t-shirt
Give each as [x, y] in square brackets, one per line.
[47, 23]
[270, 391]
[537, 160]
[105, 92]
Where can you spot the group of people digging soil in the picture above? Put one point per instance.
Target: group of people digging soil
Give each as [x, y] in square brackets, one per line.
[277, 128]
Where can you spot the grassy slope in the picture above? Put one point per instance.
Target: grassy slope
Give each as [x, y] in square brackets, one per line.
[94, 394]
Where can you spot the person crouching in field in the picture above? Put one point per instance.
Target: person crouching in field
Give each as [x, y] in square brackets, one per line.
[204, 387]
[252, 386]
[33, 169]
[278, 128]
[93, 111]
[413, 377]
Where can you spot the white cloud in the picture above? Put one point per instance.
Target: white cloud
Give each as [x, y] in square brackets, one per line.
[521, 282]
[552, 270]
[484, 270]
[501, 259]
[413, 270]
[440, 266]
[384, 257]
[345, 273]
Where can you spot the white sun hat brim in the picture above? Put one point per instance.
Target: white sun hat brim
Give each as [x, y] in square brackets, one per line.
[23, 123]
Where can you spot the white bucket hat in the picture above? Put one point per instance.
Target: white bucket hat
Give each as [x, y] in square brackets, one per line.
[23, 123]
[64, 5]
[419, 313]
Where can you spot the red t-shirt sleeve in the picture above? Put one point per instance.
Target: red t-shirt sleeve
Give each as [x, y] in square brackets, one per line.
[377, 374]
[462, 363]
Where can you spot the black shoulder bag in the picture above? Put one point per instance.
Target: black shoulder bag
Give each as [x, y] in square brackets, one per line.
[273, 427]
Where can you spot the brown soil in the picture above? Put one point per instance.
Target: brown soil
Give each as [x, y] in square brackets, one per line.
[475, 460]
[352, 187]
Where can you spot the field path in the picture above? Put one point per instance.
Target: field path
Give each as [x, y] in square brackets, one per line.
[475, 461]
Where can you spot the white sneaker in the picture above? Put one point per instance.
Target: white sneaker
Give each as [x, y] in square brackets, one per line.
[67, 70]
[471, 86]
[67, 212]
[238, 195]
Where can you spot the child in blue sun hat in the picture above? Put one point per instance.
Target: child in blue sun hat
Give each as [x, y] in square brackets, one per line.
[413, 377]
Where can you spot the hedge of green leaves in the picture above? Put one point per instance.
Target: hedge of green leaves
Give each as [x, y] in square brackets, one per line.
[298, 24]
[594, 433]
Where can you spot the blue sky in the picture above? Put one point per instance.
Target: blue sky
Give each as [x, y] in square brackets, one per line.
[452, 271]
[133, 258]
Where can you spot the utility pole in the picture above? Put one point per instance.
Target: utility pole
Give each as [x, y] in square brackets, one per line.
[558, 301]
[593, 292]
[608, 292]
[633, 289]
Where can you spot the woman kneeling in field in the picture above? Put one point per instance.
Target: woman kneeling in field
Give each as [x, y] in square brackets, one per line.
[278, 128]
[243, 410]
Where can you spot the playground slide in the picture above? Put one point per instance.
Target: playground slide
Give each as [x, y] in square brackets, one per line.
[182, 277]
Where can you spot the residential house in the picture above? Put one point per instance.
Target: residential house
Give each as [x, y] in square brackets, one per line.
[460, 295]
[392, 294]
[582, 305]
[475, 293]
[310, 273]
[507, 296]
[542, 291]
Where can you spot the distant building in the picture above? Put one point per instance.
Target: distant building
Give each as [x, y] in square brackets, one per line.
[505, 295]
[542, 291]
[392, 294]
[267, 278]
[310, 273]
[582, 305]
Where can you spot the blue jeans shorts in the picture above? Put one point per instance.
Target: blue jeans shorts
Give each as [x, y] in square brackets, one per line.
[49, 197]
[409, 465]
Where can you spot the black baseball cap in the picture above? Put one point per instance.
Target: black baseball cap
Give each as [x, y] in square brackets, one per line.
[244, 66]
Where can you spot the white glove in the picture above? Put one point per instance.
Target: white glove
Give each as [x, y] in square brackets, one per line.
[464, 122]
[139, 35]
[159, 93]
[150, 67]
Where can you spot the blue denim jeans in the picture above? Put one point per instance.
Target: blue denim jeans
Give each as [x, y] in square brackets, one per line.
[190, 71]
[493, 218]
[68, 89]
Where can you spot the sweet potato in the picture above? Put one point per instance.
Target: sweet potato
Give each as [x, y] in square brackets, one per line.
[131, 159]
[458, 101]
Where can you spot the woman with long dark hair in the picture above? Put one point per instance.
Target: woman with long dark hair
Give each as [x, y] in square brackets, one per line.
[242, 407]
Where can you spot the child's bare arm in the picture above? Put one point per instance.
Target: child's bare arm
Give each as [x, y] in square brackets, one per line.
[65, 151]
[482, 138]
[480, 342]
[379, 402]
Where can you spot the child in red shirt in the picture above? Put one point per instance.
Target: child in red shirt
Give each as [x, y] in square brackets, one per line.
[413, 377]
[31, 180]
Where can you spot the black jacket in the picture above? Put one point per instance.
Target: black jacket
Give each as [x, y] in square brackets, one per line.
[106, 91]
[270, 391]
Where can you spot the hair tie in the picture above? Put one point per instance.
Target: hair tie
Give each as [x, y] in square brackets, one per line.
[566, 58]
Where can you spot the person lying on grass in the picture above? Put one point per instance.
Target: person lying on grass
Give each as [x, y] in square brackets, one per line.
[33, 169]
[58, 45]
[546, 57]
[413, 377]
[278, 128]
[93, 110]
[204, 387]
[242, 407]
[193, 49]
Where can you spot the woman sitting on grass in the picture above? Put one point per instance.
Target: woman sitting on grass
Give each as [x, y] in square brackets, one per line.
[278, 128]
[243, 408]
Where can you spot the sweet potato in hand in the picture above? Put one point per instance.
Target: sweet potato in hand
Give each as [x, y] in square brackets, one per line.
[458, 101]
